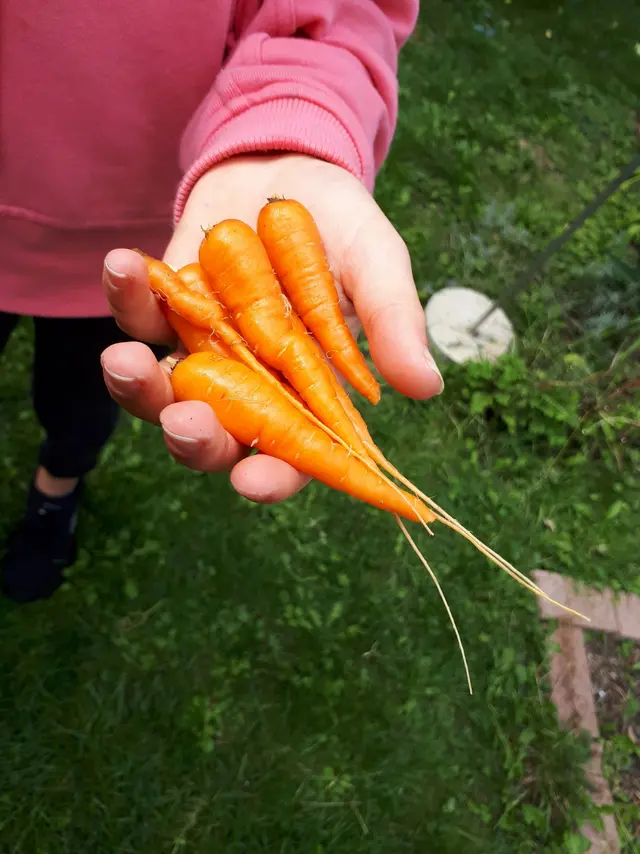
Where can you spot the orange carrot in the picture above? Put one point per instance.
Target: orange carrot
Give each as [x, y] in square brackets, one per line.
[198, 309]
[194, 277]
[295, 249]
[196, 339]
[242, 278]
[198, 316]
[258, 415]
[204, 315]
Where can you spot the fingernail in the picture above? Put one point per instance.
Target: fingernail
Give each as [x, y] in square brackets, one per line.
[116, 278]
[431, 362]
[177, 438]
[118, 378]
[180, 440]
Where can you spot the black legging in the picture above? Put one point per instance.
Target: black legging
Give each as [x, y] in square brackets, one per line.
[70, 398]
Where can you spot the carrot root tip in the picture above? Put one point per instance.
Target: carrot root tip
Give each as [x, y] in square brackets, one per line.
[438, 587]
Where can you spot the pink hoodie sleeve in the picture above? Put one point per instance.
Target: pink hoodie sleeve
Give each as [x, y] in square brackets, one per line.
[313, 76]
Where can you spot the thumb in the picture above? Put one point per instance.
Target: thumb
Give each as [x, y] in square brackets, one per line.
[379, 281]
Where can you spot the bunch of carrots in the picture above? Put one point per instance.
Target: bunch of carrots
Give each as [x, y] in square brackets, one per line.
[260, 318]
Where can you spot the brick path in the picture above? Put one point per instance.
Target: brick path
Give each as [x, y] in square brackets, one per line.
[571, 688]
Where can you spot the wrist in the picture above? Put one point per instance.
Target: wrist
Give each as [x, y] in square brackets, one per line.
[289, 125]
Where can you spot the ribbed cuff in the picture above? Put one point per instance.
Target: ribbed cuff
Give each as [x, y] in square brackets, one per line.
[285, 124]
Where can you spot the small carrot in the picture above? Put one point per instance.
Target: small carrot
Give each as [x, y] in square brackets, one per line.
[196, 339]
[198, 309]
[198, 319]
[195, 279]
[295, 249]
[193, 276]
[242, 278]
[257, 414]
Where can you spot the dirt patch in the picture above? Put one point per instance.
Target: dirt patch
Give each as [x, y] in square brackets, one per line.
[614, 666]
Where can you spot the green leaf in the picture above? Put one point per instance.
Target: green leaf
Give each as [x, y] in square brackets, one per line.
[336, 612]
[576, 844]
[479, 402]
[130, 588]
[616, 508]
[533, 816]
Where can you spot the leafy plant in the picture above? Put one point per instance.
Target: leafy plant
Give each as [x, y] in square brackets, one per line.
[572, 409]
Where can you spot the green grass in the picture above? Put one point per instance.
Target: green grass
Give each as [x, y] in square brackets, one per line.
[225, 677]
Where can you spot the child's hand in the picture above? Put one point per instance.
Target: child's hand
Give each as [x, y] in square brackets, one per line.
[372, 268]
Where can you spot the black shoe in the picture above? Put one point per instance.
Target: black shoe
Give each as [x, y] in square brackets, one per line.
[41, 546]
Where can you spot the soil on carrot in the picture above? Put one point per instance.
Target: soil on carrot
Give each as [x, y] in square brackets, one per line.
[614, 665]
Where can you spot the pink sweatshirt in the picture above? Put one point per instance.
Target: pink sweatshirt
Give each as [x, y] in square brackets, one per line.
[111, 111]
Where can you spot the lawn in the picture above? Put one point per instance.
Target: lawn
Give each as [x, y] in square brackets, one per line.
[220, 676]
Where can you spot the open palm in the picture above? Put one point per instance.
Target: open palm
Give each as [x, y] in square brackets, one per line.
[373, 274]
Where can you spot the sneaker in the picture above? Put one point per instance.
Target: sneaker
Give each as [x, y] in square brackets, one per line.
[41, 547]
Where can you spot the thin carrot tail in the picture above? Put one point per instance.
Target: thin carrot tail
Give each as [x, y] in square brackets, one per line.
[439, 515]
[446, 519]
[423, 561]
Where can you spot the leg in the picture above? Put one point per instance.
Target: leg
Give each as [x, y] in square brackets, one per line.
[70, 398]
[8, 323]
[79, 416]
